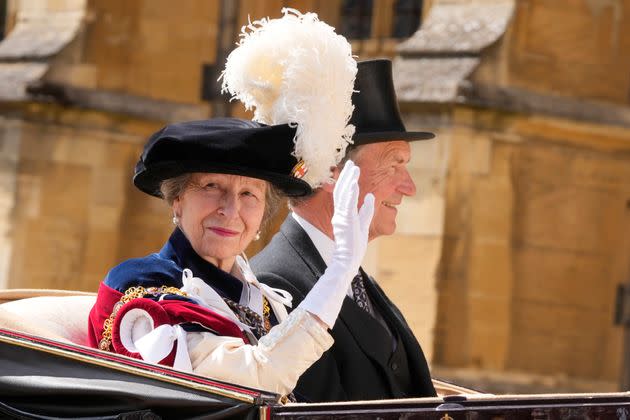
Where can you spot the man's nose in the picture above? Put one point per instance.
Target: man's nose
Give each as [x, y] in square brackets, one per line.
[407, 186]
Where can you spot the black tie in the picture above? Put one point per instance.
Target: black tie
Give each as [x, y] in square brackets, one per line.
[360, 294]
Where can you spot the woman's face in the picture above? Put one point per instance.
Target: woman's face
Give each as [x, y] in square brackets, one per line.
[220, 215]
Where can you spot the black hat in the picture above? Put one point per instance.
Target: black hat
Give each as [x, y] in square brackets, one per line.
[221, 145]
[376, 116]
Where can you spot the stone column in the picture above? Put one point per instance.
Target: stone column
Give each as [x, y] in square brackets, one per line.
[10, 133]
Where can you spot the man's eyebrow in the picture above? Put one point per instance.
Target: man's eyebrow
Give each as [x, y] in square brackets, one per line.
[396, 155]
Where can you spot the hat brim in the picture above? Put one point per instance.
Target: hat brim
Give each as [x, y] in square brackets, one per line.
[384, 136]
[149, 180]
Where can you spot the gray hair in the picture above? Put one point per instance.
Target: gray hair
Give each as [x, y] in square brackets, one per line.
[351, 154]
[174, 187]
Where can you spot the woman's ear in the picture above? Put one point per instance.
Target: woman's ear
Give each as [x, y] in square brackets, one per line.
[176, 207]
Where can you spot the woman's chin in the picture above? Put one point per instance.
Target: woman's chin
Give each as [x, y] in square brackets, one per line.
[216, 256]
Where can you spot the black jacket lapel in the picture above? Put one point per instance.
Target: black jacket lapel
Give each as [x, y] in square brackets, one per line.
[302, 244]
[417, 361]
[370, 335]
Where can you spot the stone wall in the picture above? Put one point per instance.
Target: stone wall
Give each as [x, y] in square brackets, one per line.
[72, 210]
[153, 49]
[536, 240]
[573, 47]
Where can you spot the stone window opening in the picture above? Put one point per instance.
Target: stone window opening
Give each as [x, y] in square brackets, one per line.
[356, 19]
[3, 19]
[407, 18]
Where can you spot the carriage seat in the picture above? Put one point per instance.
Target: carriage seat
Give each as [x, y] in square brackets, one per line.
[54, 314]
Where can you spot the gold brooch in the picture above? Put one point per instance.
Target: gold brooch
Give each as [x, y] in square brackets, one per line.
[299, 170]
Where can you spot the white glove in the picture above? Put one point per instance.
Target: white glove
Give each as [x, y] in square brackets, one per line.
[351, 228]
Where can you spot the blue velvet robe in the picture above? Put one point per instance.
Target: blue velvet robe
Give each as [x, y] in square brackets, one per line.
[165, 268]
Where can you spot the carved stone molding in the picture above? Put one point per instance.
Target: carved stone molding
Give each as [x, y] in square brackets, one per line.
[27, 51]
[433, 64]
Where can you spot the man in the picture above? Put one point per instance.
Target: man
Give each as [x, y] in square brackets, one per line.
[375, 354]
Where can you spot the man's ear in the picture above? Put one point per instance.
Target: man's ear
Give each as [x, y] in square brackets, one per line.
[334, 174]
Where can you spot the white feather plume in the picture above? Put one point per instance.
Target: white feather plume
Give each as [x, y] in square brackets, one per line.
[297, 70]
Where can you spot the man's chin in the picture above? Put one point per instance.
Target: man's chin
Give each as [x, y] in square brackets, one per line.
[375, 232]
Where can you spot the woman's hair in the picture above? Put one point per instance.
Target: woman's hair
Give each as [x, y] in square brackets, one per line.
[173, 187]
[273, 198]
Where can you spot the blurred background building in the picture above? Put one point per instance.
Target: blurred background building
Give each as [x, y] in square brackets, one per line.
[508, 260]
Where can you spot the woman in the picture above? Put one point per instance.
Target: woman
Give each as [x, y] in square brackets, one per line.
[196, 305]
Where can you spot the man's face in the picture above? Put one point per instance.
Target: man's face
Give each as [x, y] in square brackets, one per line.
[384, 173]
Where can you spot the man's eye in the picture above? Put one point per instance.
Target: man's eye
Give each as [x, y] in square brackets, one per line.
[211, 185]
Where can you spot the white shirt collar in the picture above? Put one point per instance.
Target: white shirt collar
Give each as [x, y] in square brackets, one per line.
[324, 245]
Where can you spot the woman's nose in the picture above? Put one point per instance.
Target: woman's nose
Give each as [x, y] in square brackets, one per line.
[228, 206]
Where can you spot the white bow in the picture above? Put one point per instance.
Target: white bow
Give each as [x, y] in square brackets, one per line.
[157, 344]
[205, 295]
[277, 295]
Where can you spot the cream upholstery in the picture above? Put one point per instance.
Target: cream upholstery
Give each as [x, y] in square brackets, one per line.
[55, 317]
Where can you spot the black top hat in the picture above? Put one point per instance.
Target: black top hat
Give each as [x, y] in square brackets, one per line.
[376, 115]
[221, 145]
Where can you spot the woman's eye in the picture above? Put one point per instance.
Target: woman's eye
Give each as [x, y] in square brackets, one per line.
[249, 194]
[211, 185]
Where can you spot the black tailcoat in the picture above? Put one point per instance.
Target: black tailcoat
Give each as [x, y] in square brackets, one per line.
[359, 365]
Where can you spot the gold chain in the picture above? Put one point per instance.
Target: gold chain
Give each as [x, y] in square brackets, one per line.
[248, 316]
[129, 295]
[266, 313]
